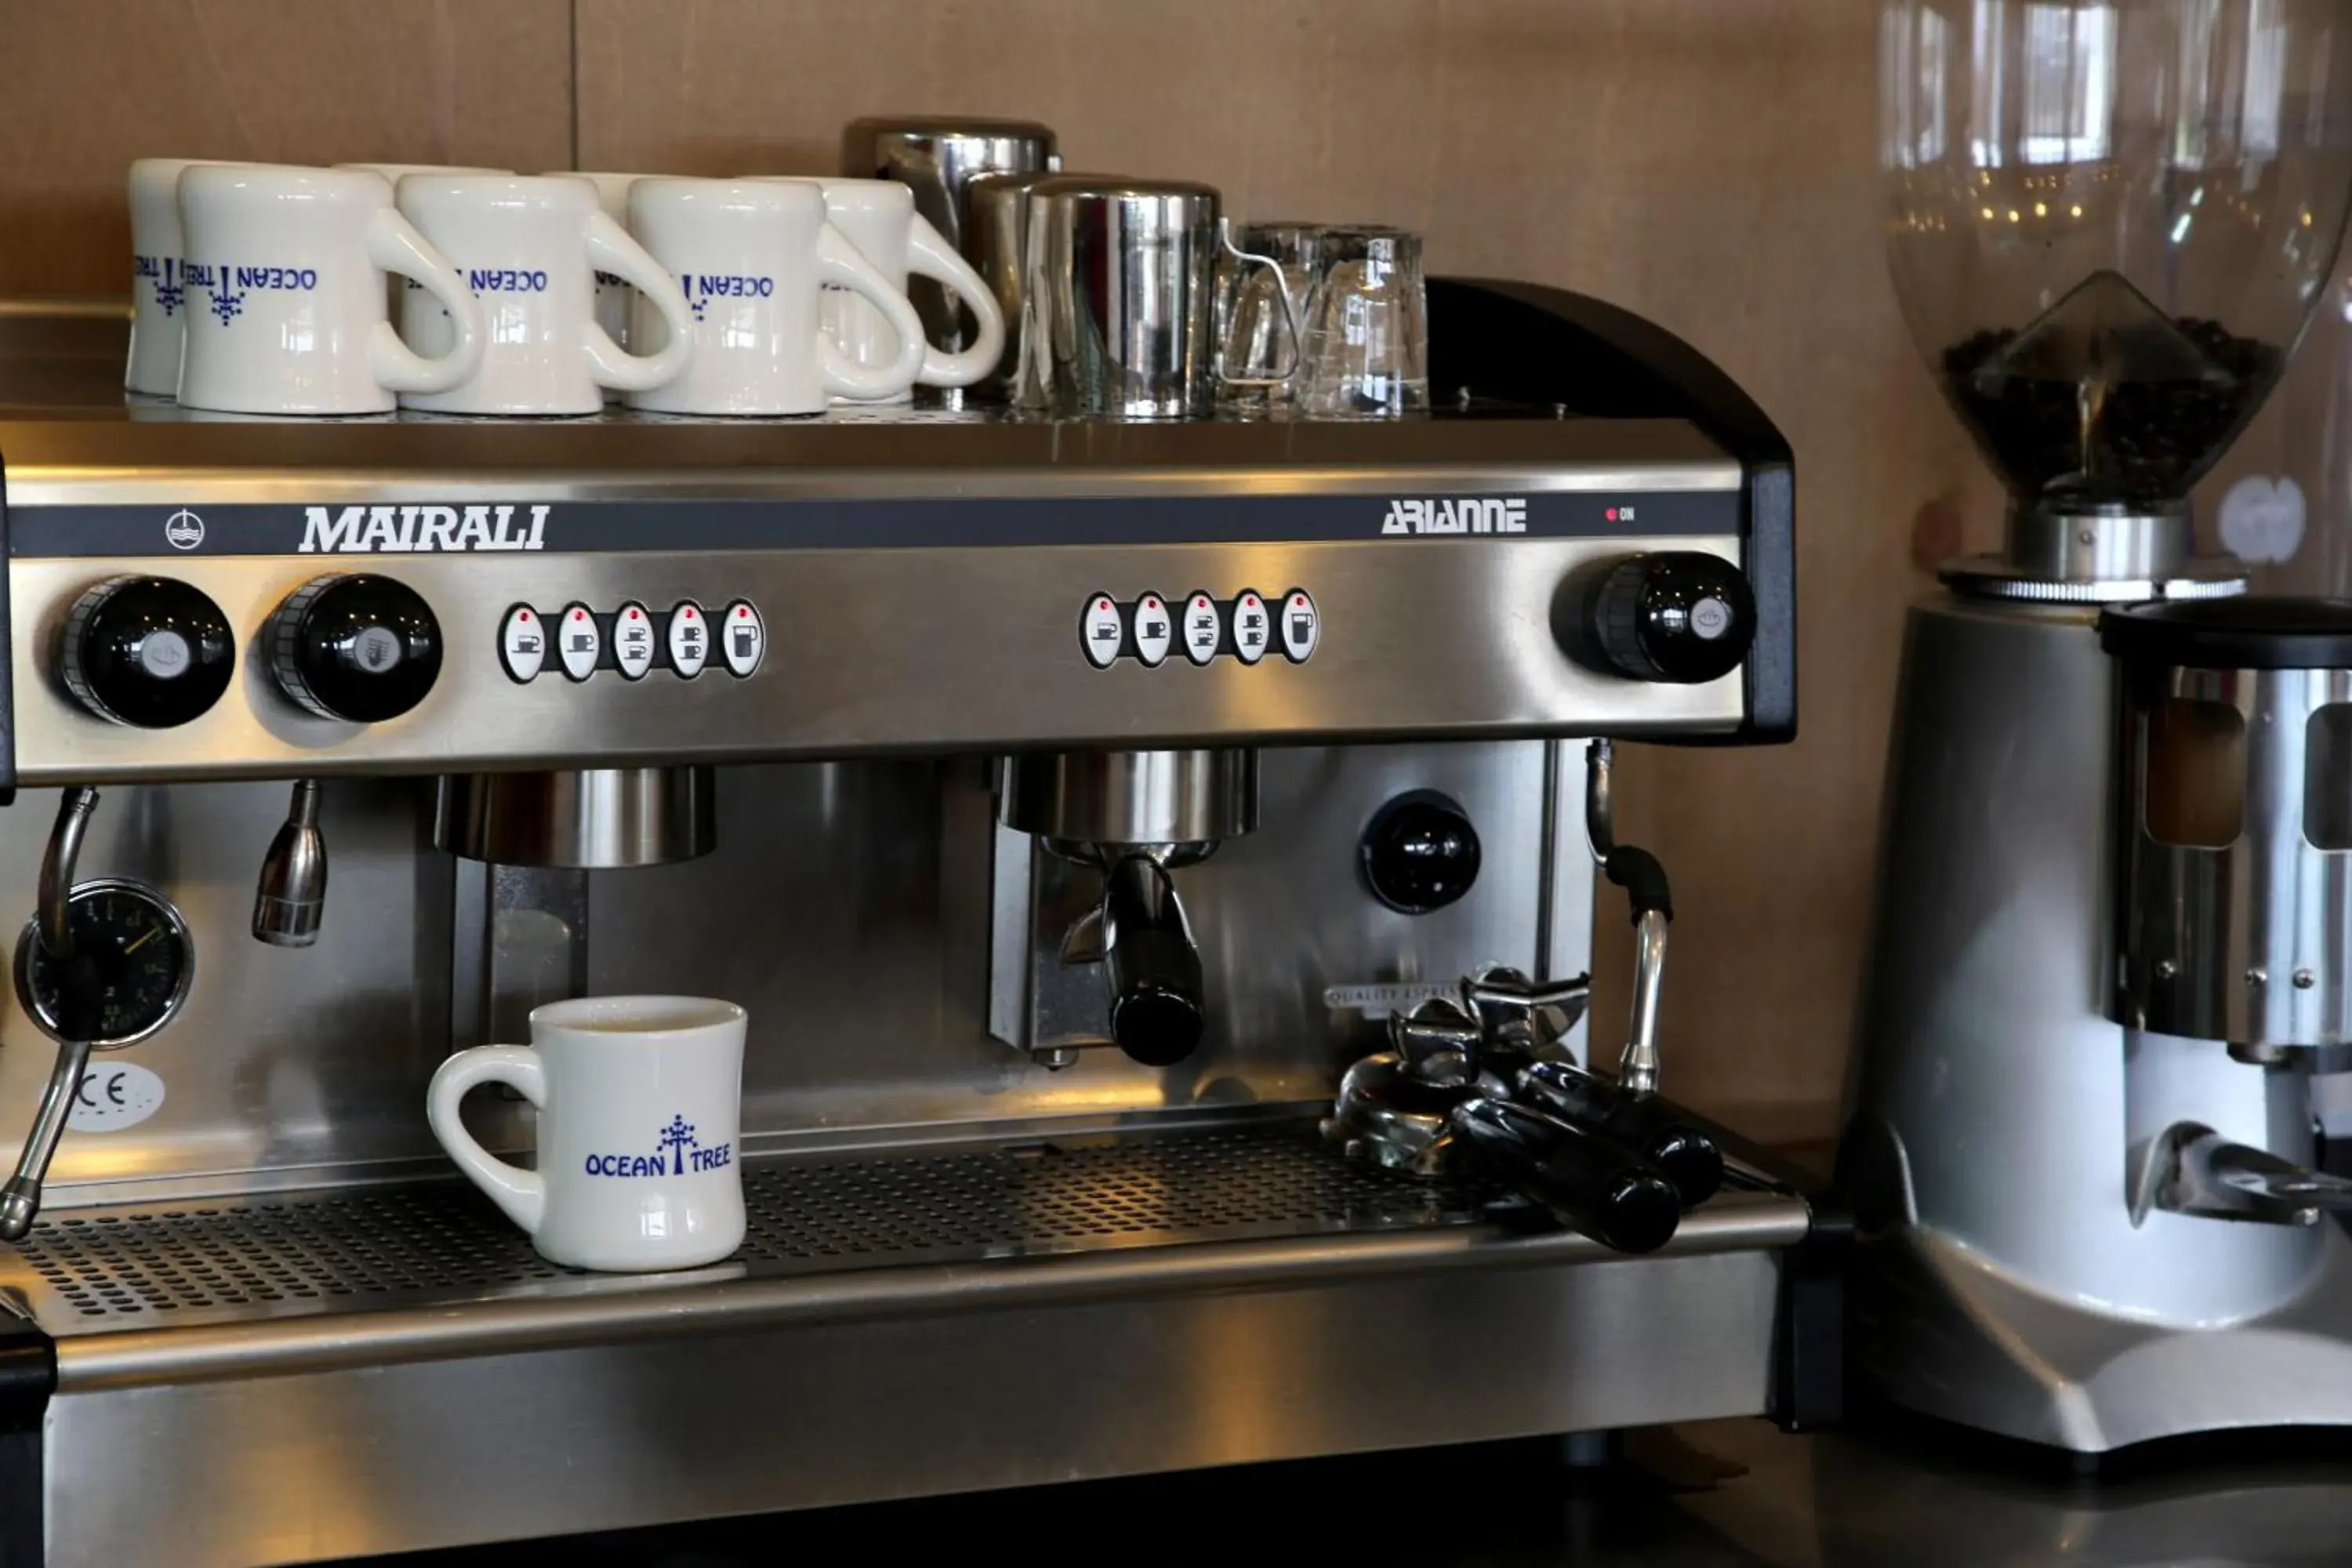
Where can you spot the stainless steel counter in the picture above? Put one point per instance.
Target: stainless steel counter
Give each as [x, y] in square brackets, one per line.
[1728, 1494]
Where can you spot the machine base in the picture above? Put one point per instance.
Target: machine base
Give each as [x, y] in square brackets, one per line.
[363, 1370]
[1936, 1329]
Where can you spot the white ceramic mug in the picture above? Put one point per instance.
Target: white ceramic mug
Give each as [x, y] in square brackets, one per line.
[613, 291]
[752, 257]
[640, 1100]
[529, 248]
[285, 306]
[158, 292]
[879, 217]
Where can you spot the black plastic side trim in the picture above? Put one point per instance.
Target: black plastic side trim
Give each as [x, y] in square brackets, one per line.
[1524, 343]
[28, 1375]
[1809, 1340]
[7, 671]
[1808, 1389]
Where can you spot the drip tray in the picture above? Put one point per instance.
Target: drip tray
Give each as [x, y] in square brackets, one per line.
[437, 1243]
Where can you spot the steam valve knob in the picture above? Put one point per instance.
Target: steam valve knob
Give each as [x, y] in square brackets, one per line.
[150, 652]
[1673, 615]
[362, 648]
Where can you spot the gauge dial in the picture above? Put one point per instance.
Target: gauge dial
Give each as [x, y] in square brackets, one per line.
[131, 970]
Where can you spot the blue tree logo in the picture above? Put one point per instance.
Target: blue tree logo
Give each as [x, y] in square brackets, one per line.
[677, 1139]
[227, 306]
[168, 291]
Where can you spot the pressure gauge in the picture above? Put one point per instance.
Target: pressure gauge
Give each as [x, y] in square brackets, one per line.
[129, 972]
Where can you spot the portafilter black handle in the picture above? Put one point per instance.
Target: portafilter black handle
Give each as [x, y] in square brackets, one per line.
[1590, 1183]
[1677, 1145]
[1150, 964]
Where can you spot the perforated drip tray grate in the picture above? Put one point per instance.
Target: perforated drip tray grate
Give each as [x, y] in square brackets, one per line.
[439, 1242]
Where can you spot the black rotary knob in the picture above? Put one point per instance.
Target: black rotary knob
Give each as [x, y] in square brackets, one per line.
[364, 649]
[1420, 853]
[1674, 616]
[151, 652]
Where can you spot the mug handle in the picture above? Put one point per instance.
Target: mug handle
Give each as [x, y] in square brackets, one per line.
[611, 250]
[1289, 313]
[838, 261]
[522, 1193]
[394, 246]
[928, 255]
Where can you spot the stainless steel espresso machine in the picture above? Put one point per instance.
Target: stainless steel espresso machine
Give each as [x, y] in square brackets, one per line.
[2112, 942]
[1069, 802]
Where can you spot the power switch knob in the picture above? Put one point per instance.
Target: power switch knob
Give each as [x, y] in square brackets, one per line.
[361, 649]
[1674, 616]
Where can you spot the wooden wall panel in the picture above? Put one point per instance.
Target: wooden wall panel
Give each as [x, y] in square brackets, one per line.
[1708, 163]
[88, 85]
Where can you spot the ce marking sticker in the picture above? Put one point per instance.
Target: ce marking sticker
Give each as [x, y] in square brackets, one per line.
[115, 1095]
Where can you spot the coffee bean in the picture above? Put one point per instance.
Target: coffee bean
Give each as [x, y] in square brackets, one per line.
[2147, 440]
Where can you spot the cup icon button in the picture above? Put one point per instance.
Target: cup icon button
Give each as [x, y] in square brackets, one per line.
[1302, 625]
[742, 638]
[1102, 631]
[1253, 626]
[689, 640]
[522, 644]
[1204, 628]
[580, 642]
[1155, 630]
[633, 640]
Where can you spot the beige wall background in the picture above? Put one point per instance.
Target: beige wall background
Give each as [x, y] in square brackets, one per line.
[1710, 164]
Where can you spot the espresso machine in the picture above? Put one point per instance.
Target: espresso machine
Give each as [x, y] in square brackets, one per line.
[1069, 802]
[2110, 949]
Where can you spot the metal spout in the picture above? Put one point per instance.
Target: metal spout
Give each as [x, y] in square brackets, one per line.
[289, 900]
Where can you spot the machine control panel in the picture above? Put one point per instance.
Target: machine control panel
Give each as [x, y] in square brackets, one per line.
[1148, 631]
[632, 640]
[287, 664]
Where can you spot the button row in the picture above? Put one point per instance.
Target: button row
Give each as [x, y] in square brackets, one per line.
[1247, 629]
[631, 639]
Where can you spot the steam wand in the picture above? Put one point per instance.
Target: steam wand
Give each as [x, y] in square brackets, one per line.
[1651, 900]
[76, 1021]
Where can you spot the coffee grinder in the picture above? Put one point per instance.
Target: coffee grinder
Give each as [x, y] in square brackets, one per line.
[2111, 941]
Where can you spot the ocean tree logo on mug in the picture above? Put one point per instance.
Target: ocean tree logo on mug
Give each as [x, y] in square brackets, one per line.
[229, 286]
[701, 288]
[677, 1153]
[162, 275]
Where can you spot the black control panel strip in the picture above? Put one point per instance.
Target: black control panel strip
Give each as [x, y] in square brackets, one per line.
[427, 527]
